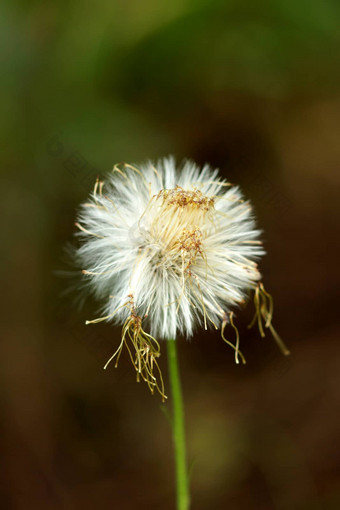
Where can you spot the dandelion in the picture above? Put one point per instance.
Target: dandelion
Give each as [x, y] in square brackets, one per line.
[166, 251]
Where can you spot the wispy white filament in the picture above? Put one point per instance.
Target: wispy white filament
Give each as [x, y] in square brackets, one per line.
[175, 247]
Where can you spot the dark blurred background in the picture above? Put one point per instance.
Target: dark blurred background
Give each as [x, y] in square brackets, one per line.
[251, 87]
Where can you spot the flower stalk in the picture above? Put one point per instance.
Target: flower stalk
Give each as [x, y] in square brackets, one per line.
[178, 429]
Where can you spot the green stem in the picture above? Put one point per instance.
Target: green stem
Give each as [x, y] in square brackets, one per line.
[178, 429]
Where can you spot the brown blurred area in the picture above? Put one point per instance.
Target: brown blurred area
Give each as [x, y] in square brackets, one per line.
[251, 88]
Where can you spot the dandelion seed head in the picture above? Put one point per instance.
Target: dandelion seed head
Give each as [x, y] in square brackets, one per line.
[181, 243]
[166, 249]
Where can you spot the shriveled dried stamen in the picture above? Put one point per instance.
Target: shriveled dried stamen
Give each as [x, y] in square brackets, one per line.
[235, 347]
[264, 306]
[190, 240]
[189, 245]
[145, 352]
[180, 197]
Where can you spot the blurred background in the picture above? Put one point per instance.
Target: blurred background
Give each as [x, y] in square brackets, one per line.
[250, 87]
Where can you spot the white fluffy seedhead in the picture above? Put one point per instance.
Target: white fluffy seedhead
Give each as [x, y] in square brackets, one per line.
[172, 248]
